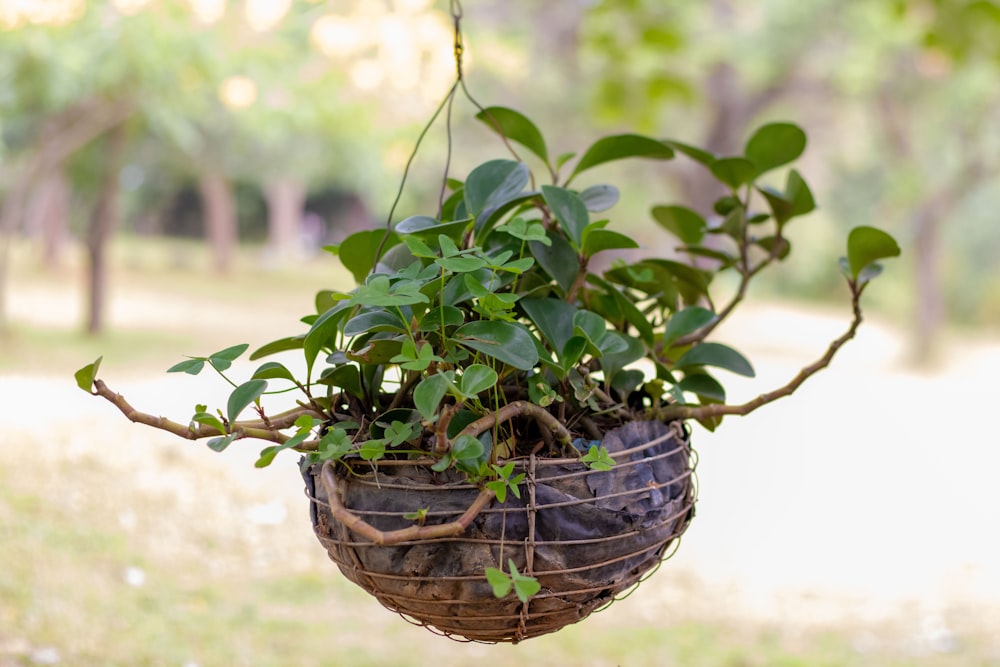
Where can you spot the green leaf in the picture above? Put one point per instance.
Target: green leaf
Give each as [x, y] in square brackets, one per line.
[499, 487]
[500, 582]
[516, 127]
[375, 352]
[733, 171]
[685, 322]
[572, 352]
[85, 376]
[428, 228]
[569, 209]
[622, 146]
[591, 325]
[242, 396]
[461, 264]
[219, 444]
[557, 258]
[598, 240]
[467, 448]
[321, 331]
[866, 245]
[372, 450]
[334, 445]
[208, 419]
[280, 345]
[599, 197]
[445, 316]
[693, 152]
[680, 221]
[345, 376]
[504, 341]
[477, 378]
[773, 145]
[630, 312]
[524, 586]
[229, 354]
[554, 319]
[190, 366]
[526, 230]
[428, 393]
[272, 370]
[597, 458]
[373, 320]
[493, 183]
[704, 386]
[357, 252]
[718, 355]
[797, 190]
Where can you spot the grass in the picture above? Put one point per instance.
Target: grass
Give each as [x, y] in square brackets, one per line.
[76, 519]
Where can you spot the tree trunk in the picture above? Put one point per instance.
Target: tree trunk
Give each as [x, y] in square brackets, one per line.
[929, 306]
[47, 216]
[104, 219]
[62, 136]
[219, 215]
[285, 205]
[10, 218]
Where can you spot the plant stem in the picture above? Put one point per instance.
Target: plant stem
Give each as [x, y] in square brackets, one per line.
[709, 411]
[516, 409]
[249, 429]
[417, 532]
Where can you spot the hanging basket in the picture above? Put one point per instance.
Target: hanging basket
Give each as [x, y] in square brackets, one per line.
[586, 535]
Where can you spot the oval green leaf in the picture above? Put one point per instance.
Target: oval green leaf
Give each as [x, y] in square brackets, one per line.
[477, 378]
[516, 127]
[493, 183]
[598, 240]
[685, 322]
[86, 375]
[717, 355]
[357, 251]
[773, 145]
[866, 245]
[505, 341]
[371, 321]
[599, 197]
[280, 345]
[734, 171]
[428, 393]
[680, 221]
[554, 319]
[242, 396]
[272, 370]
[569, 209]
[620, 146]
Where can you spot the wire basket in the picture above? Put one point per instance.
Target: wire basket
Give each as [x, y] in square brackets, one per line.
[588, 536]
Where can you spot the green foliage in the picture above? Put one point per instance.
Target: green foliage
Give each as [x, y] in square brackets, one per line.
[493, 303]
[502, 582]
[597, 458]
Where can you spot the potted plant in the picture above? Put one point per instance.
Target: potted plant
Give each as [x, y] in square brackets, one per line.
[493, 432]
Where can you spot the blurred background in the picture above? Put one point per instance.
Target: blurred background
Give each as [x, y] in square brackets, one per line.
[169, 174]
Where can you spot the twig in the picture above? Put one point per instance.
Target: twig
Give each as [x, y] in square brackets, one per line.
[416, 532]
[709, 411]
[249, 429]
[516, 409]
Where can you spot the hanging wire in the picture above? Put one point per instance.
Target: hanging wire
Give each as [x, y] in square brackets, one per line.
[455, 7]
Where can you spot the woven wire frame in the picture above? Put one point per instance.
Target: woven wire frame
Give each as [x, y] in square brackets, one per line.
[578, 576]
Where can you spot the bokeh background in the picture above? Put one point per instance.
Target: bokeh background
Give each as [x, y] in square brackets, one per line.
[169, 174]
